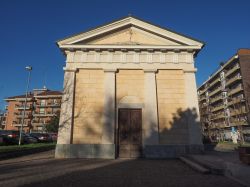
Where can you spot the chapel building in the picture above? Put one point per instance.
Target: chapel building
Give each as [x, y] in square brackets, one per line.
[129, 91]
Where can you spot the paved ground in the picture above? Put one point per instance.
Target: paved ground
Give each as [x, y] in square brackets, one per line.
[42, 170]
[227, 162]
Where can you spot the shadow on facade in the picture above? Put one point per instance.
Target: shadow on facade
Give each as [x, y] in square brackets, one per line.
[178, 136]
[92, 127]
[88, 129]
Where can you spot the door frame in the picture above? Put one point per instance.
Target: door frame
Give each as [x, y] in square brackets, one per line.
[127, 106]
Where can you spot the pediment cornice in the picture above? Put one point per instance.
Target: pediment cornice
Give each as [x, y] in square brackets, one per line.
[184, 42]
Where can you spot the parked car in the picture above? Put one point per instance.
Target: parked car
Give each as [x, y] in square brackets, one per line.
[9, 136]
[53, 136]
[26, 138]
[42, 137]
[1, 139]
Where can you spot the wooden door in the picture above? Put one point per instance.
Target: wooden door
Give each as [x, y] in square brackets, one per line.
[130, 133]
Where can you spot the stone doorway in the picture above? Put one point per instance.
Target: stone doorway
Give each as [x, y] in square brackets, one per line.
[130, 133]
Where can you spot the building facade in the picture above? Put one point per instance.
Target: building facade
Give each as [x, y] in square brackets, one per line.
[2, 120]
[42, 105]
[129, 91]
[224, 98]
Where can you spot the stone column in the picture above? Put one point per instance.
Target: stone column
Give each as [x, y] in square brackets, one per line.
[108, 133]
[150, 121]
[67, 108]
[192, 108]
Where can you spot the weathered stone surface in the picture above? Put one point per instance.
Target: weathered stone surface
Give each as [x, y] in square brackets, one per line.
[171, 151]
[85, 151]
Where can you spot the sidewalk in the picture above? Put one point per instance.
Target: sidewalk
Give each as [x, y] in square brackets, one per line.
[27, 158]
[224, 163]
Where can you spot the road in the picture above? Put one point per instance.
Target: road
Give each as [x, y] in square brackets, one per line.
[43, 170]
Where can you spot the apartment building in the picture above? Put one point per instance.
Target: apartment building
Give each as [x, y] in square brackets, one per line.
[42, 105]
[2, 120]
[224, 98]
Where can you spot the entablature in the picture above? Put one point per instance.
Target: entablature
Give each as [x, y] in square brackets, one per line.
[130, 56]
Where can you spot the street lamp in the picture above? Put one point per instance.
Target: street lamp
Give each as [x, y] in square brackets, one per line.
[28, 68]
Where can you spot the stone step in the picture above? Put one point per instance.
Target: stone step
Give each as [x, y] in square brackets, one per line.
[194, 165]
[215, 167]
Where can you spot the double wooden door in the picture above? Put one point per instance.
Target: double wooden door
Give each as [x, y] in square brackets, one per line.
[130, 133]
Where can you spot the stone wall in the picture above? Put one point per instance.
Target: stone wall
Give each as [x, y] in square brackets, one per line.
[130, 83]
[171, 102]
[88, 111]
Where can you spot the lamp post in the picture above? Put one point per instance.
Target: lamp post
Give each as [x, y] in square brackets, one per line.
[28, 68]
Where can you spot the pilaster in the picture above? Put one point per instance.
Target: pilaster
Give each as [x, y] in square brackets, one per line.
[67, 108]
[108, 133]
[150, 121]
[192, 108]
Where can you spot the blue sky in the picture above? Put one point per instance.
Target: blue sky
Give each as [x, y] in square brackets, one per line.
[30, 28]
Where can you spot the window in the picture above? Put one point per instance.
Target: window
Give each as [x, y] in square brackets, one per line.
[227, 112]
[224, 94]
[225, 102]
[222, 75]
[223, 84]
[54, 101]
[41, 111]
[240, 96]
[43, 102]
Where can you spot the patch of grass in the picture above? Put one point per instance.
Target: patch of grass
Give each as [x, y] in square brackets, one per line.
[233, 145]
[11, 148]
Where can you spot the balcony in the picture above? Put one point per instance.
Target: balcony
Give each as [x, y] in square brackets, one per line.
[201, 98]
[233, 79]
[203, 105]
[238, 123]
[55, 105]
[216, 108]
[218, 116]
[215, 91]
[44, 114]
[214, 82]
[48, 105]
[19, 124]
[40, 123]
[216, 125]
[236, 67]
[220, 125]
[235, 101]
[20, 114]
[202, 91]
[22, 107]
[235, 90]
[237, 112]
[213, 100]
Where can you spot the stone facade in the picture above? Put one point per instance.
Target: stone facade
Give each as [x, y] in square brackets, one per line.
[129, 64]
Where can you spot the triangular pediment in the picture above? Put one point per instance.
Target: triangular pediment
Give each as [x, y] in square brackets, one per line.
[129, 31]
[129, 36]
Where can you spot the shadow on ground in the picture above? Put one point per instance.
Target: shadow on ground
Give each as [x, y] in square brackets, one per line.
[97, 172]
